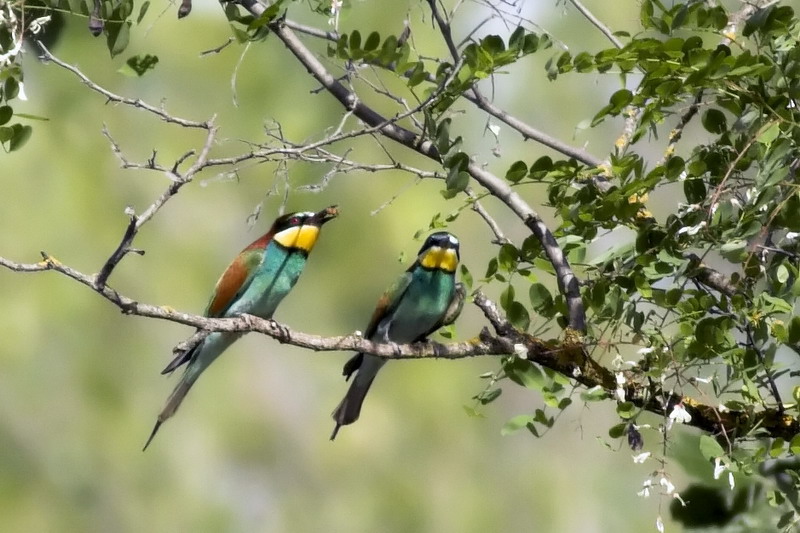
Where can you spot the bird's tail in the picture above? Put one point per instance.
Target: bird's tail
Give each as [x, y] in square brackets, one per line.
[174, 401]
[350, 407]
[199, 359]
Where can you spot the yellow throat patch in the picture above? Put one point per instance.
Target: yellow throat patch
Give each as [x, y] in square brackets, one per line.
[436, 257]
[298, 237]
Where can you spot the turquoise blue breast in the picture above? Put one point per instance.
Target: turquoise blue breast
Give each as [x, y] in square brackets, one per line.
[273, 280]
[421, 307]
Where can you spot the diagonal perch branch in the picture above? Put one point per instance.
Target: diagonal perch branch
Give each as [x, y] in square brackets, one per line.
[566, 357]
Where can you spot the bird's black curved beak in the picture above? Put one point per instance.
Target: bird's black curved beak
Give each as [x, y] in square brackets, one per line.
[329, 213]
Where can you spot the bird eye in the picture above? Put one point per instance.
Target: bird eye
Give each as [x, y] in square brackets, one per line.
[294, 221]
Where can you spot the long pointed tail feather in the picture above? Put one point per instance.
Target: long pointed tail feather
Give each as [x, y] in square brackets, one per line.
[349, 409]
[173, 402]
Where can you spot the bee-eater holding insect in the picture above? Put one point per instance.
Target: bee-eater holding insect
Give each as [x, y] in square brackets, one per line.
[254, 283]
[425, 298]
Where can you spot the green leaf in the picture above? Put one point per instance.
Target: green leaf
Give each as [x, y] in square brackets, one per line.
[507, 258]
[117, 38]
[457, 180]
[517, 171]
[142, 11]
[714, 121]
[525, 373]
[466, 276]
[355, 40]
[372, 42]
[794, 330]
[541, 299]
[794, 446]
[518, 316]
[21, 134]
[769, 134]
[10, 88]
[626, 410]
[594, 394]
[138, 65]
[515, 424]
[776, 449]
[6, 112]
[618, 431]
[710, 448]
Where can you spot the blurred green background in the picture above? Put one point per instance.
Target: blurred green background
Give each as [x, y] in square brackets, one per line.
[249, 450]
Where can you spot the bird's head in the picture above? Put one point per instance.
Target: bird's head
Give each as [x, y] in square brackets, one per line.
[299, 231]
[439, 251]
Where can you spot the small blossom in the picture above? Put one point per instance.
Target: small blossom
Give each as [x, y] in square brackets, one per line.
[646, 350]
[722, 408]
[680, 415]
[495, 129]
[520, 351]
[791, 236]
[692, 230]
[646, 486]
[735, 203]
[669, 488]
[576, 372]
[731, 481]
[21, 94]
[678, 497]
[620, 392]
[641, 458]
[659, 524]
[38, 24]
[719, 467]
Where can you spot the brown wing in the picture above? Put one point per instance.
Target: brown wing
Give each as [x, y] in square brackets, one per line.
[237, 276]
[386, 305]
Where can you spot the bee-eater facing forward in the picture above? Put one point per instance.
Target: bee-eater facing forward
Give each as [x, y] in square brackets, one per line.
[254, 283]
[425, 298]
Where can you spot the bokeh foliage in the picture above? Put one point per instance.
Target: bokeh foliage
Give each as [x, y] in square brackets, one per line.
[696, 124]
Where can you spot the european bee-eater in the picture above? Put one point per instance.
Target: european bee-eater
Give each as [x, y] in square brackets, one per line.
[254, 283]
[425, 298]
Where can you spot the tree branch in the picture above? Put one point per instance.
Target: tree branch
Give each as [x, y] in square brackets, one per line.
[567, 282]
[568, 358]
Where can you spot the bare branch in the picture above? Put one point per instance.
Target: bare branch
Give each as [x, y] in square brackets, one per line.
[605, 30]
[163, 115]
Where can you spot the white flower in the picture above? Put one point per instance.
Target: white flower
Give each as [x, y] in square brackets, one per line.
[731, 481]
[646, 486]
[680, 415]
[692, 230]
[735, 203]
[620, 392]
[576, 372]
[719, 467]
[659, 524]
[791, 236]
[520, 351]
[678, 497]
[641, 458]
[722, 408]
[21, 94]
[495, 129]
[36, 25]
[669, 488]
[646, 350]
